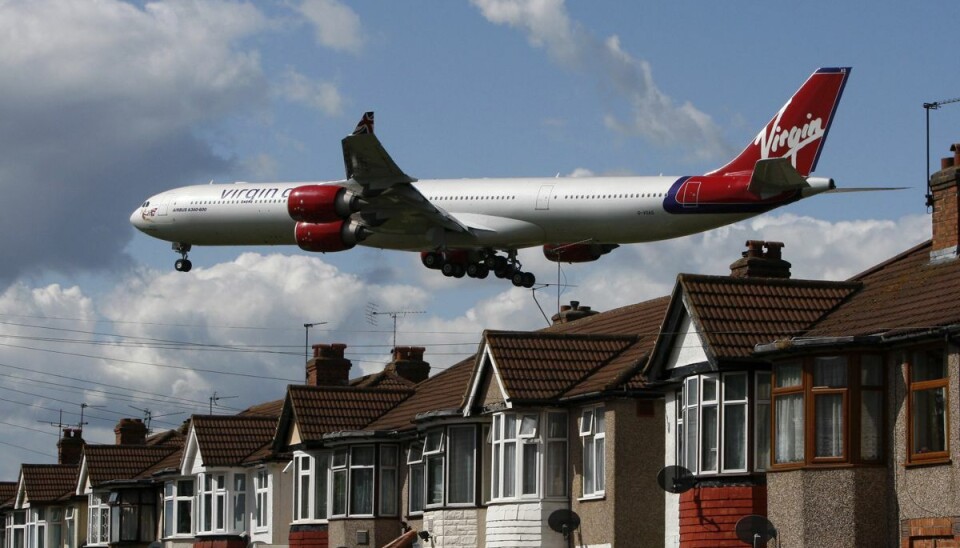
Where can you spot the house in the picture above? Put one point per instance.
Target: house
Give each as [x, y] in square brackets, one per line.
[123, 499]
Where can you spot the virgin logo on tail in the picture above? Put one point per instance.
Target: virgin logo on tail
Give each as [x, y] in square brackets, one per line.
[799, 128]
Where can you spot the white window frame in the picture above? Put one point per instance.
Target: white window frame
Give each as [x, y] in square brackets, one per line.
[218, 501]
[355, 469]
[262, 509]
[594, 480]
[69, 527]
[553, 441]
[433, 463]
[415, 463]
[712, 405]
[728, 403]
[98, 522]
[239, 502]
[171, 515]
[303, 501]
[13, 527]
[470, 431]
[339, 469]
[689, 422]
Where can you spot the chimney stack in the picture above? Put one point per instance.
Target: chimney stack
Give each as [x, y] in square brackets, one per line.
[131, 432]
[761, 260]
[572, 312]
[70, 446]
[328, 367]
[943, 188]
[408, 363]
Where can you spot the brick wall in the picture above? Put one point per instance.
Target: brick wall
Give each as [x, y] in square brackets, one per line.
[930, 533]
[309, 536]
[709, 515]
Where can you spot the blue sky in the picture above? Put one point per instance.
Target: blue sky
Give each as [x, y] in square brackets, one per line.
[105, 103]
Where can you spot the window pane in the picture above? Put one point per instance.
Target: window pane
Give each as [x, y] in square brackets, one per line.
[763, 436]
[589, 466]
[735, 387]
[927, 366]
[830, 371]
[340, 492]
[461, 452]
[586, 422]
[435, 480]
[529, 483]
[789, 428]
[184, 517]
[339, 458]
[362, 456]
[692, 384]
[361, 491]
[599, 460]
[416, 488]
[709, 389]
[528, 425]
[691, 433]
[929, 421]
[600, 421]
[556, 468]
[388, 457]
[871, 370]
[319, 487]
[509, 469]
[788, 374]
[509, 427]
[829, 425]
[763, 386]
[415, 454]
[433, 441]
[168, 518]
[708, 456]
[388, 491]
[735, 437]
[871, 421]
[557, 425]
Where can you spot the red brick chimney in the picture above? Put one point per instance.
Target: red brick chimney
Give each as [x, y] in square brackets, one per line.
[131, 432]
[572, 312]
[408, 363]
[761, 260]
[70, 446]
[328, 367]
[943, 188]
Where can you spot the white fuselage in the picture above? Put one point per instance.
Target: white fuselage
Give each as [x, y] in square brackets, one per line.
[502, 213]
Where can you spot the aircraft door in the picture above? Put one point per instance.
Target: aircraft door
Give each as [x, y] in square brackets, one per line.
[543, 198]
[690, 193]
[163, 209]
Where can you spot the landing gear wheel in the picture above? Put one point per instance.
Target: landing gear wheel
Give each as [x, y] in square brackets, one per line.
[477, 270]
[517, 278]
[183, 265]
[432, 259]
[528, 279]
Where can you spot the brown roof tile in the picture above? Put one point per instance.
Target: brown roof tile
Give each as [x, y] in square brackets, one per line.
[8, 492]
[444, 391]
[544, 366]
[121, 462]
[45, 483]
[324, 409]
[227, 440]
[734, 314]
[269, 409]
[901, 296]
[383, 379]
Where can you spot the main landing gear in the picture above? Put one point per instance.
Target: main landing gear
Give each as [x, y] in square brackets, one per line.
[478, 264]
[183, 264]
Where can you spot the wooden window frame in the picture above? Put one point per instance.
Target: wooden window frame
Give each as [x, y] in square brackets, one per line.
[932, 457]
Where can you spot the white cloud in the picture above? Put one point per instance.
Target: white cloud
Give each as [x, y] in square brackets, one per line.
[321, 96]
[654, 115]
[336, 26]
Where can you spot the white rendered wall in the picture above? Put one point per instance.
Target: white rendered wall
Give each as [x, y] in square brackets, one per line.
[523, 524]
[671, 514]
[452, 528]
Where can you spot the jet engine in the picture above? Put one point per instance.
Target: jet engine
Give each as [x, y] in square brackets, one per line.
[576, 253]
[321, 203]
[329, 237]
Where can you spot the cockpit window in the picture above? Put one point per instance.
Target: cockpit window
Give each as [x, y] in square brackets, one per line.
[146, 204]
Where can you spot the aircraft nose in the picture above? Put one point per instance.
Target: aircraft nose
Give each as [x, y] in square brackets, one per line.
[136, 218]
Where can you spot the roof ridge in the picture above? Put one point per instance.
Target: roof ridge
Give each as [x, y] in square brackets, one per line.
[765, 281]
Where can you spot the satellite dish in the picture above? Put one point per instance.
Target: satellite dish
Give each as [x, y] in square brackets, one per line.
[675, 479]
[563, 521]
[755, 530]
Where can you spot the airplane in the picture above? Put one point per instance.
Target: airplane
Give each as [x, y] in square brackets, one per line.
[475, 226]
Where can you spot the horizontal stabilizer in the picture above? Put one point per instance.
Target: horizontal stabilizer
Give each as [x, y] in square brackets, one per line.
[867, 189]
[773, 176]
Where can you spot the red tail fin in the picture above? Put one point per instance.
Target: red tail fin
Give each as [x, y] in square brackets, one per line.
[799, 129]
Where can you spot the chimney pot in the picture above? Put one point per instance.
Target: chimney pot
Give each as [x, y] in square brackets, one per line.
[947, 162]
[571, 313]
[408, 363]
[955, 148]
[754, 263]
[70, 446]
[131, 432]
[328, 367]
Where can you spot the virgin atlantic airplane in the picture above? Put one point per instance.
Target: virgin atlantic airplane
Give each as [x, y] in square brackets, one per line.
[475, 226]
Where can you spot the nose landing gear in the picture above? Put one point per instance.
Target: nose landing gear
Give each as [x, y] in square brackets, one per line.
[183, 264]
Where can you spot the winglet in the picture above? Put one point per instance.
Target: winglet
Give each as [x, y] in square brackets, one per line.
[365, 125]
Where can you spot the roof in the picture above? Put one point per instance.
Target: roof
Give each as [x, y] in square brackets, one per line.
[902, 296]
[8, 493]
[48, 483]
[444, 391]
[268, 409]
[320, 410]
[734, 314]
[121, 462]
[231, 440]
[545, 366]
[383, 379]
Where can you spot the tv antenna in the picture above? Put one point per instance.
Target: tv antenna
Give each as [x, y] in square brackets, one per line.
[306, 338]
[148, 415]
[372, 312]
[215, 398]
[82, 422]
[59, 425]
[928, 107]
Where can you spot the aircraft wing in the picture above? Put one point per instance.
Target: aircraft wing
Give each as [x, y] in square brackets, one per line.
[393, 203]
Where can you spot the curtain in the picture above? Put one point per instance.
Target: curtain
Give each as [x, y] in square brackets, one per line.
[789, 428]
[708, 456]
[361, 491]
[829, 425]
[830, 371]
[461, 449]
[735, 436]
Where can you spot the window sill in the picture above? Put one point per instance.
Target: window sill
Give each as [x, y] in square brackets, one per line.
[589, 498]
[931, 462]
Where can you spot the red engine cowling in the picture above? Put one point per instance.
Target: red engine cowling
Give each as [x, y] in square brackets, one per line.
[329, 237]
[321, 203]
[576, 253]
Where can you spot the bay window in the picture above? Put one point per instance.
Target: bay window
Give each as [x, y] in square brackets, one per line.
[213, 502]
[16, 528]
[712, 420]
[443, 468]
[828, 409]
[927, 404]
[133, 514]
[352, 472]
[415, 464]
[593, 436]
[362, 462]
[178, 508]
[527, 461]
